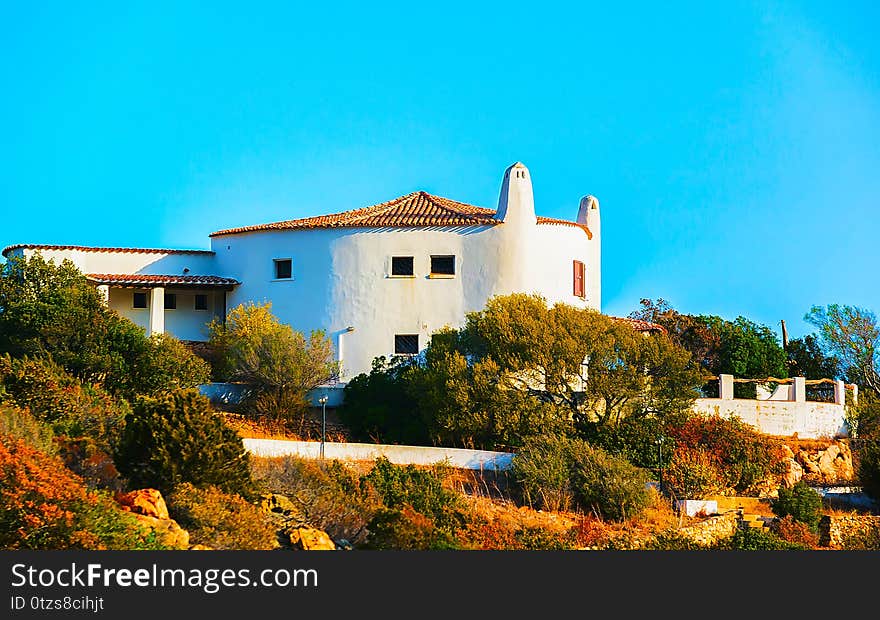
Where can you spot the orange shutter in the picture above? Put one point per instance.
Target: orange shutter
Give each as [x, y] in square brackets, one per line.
[579, 285]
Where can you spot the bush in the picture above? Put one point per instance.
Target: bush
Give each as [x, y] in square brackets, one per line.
[542, 470]
[380, 406]
[756, 539]
[868, 471]
[326, 495]
[88, 460]
[790, 530]
[221, 520]
[692, 474]
[400, 486]
[801, 502]
[49, 310]
[745, 457]
[407, 529]
[43, 505]
[20, 424]
[609, 485]
[53, 396]
[282, 364]
[557, 472]
[177, 438]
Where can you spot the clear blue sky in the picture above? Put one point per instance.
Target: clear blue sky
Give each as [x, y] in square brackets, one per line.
[735, 149]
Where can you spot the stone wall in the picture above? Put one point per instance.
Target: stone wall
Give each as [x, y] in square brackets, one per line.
[834, 531]
[713, 529]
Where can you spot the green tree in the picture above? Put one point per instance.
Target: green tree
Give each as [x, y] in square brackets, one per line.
[806, 358]
[852, 335]
[382, 406]
[740, 347]
[176, 438]
[49, 310]
[281, 364]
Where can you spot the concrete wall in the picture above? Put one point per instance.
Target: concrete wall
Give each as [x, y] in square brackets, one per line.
[400, 455]
[810, 420]
[235, 393]
[785, 412]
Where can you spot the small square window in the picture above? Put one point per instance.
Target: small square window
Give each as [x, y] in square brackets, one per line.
[139, 300]
[283, 269]
[201, 302]
[170, 301]
[443, 265]
[402, 265]
[406, 344]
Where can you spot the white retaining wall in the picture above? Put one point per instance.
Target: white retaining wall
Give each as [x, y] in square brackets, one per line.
[810, 420]
[399, 455]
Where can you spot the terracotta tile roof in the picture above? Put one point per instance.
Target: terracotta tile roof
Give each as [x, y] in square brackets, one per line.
[83, 248]
[419, 209]
[138, 279]
[641, 326]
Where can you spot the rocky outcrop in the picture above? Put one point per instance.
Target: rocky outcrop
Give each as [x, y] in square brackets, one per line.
[148, 507]
[147, 502]
[831, 465]
[792, 472]
[310, 539]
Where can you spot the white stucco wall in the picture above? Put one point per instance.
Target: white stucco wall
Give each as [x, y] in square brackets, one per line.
[810, 420]
[399, 455]
[341, 278]
[184, 322]
[152, 263]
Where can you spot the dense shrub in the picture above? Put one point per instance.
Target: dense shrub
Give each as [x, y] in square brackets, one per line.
[745, 457]
[790, 530]
[381, 406]
[692, 474]
[91, 462]
[756, 539]
[221, 520]
[634, 439]
[542, 470]
[868, 471]
[43, 505]
[20, 424]
[801, 502]
[556, 472]
[49, 310]
[406, 485]
[70, 407]
[176, 438]
[408, 529]
[281, 364]
[325, 494]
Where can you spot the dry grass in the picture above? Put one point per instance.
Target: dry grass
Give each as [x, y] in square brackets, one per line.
[249, 428]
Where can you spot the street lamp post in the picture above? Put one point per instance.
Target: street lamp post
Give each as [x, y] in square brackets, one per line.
[660, 461]
[323, 401]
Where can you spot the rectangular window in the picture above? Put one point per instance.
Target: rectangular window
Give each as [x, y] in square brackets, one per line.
[283, 269]
[406, 344]
[139, 300]
[442, 265]
[580, 280]
[170, 301]
[402, 265]
[201, 302]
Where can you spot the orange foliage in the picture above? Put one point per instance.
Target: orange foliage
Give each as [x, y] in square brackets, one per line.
[39, 499]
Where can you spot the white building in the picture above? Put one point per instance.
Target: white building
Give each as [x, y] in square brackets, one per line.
[378, 280]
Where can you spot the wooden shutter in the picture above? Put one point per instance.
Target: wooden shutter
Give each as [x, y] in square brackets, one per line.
[578, 284]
